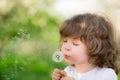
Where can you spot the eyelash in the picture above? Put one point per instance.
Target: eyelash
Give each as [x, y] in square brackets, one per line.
[73, 43]
[65, 41]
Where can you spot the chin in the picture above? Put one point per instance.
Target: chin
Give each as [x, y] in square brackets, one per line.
[69, 62]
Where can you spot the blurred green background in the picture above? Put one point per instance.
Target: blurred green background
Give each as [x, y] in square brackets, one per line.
[28, 38]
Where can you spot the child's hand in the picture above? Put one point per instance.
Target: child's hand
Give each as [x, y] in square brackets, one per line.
[58, 74]
[67, 78]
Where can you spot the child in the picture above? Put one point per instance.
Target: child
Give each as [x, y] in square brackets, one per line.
[88, 45]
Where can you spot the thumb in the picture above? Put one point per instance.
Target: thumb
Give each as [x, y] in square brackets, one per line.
[63, 73]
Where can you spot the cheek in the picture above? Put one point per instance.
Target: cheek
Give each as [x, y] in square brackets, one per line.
[80, 55]
[81, 58]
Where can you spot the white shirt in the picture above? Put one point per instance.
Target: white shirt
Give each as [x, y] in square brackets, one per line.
[94, 74]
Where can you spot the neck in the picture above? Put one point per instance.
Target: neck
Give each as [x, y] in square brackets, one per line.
[82, 68]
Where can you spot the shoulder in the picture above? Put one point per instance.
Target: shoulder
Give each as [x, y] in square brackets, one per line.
[107, 73]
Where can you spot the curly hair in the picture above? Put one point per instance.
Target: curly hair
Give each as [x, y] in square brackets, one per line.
[97, 33]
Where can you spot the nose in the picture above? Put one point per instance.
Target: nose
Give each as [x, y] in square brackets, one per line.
[67, 46]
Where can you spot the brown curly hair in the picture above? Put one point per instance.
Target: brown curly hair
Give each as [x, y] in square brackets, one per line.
[97, 33]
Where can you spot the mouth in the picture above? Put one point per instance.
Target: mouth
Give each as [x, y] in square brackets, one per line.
[66, 56]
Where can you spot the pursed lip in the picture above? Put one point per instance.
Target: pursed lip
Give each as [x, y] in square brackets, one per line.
[66, 56]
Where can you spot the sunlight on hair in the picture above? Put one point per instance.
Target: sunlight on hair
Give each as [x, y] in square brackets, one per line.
[83, 24]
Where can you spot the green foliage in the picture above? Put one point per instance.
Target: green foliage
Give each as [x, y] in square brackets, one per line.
[34, 67]
[27, 43]
[119, 76]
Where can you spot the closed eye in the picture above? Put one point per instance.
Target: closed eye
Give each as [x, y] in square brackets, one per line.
[64, 41]
[76, 44]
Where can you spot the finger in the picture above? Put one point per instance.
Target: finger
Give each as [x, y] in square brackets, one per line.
[55, 77]
[57, 70]
[63, 78]
[63, 73]
[67, 78]
[57, 74]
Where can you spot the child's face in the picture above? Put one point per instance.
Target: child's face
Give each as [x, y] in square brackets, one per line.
[74, 50]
